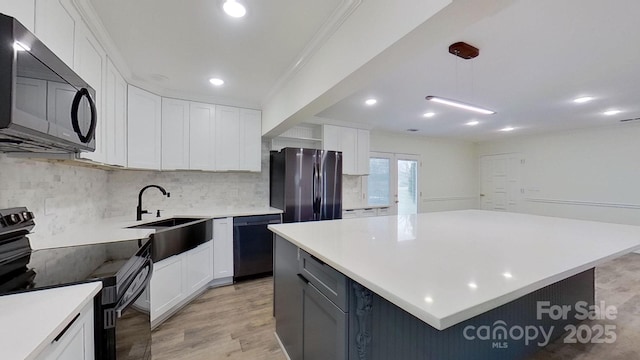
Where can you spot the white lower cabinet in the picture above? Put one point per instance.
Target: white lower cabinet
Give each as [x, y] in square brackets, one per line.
[177, 279]
[168, 285]
[364, 212]
[199, 266]
[223, 248]
[75, 341]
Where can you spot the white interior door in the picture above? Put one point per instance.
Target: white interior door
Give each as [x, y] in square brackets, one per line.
[393, 182]
[500, 187]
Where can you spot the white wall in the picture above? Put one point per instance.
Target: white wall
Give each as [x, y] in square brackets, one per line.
[590, 174]
[448, 176]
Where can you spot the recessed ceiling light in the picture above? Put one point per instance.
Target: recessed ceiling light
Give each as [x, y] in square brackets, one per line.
[583, 99]
[234, 8]
[371, 102]
[508, 128]
[473, 123]
[428, 300]
[216, 82]
[429, 114]
[611, 112]
[507, 275]
[473, 285]
[460, 105]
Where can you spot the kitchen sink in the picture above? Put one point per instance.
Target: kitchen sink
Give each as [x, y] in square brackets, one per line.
[166, 223]
[177, 235]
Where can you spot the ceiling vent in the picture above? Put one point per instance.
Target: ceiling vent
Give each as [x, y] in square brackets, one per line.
[464, 50]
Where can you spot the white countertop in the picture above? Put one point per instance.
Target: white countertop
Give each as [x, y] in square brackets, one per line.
[116, 229]
[425, 263]
[31, 320]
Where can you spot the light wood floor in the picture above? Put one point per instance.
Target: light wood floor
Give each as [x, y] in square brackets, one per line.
[235, 322]
[232, 322]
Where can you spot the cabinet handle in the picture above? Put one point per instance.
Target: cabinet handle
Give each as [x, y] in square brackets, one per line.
[316, 259]
[303, 278]
[66, 328]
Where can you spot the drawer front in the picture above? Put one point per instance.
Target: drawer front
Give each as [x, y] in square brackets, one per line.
[368, 212]
[326, 279]
[349, 214]
[383, 211]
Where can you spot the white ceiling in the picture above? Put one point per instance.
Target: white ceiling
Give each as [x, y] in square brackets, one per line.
[535, 57]
[179, 45]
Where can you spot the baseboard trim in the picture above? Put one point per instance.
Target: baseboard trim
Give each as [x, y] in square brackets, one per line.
[284, 351]
[584, 203]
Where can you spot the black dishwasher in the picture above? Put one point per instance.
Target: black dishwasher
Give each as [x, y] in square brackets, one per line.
[253, 246]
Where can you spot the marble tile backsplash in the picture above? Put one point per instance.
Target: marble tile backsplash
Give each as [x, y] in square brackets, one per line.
[352, 191]
[63, 195]
[60, 195]
[189, 189]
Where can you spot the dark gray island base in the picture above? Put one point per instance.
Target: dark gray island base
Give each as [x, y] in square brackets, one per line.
[322, 314]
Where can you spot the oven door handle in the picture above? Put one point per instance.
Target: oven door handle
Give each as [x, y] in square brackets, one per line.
[136, 288]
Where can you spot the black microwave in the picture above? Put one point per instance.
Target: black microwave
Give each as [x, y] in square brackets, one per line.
[45, 106]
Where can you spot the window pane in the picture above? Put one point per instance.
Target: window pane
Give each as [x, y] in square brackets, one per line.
[407, 187]
[379, 181]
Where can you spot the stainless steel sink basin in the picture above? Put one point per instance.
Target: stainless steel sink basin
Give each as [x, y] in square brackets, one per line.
[177, 235]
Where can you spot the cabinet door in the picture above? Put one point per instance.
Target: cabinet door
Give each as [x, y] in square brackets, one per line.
[331, 138]
[89, 62]
[23, 10]
[222, 248]
[324, 327]
[115, 116]
[250, 140]
[55, 27]
[168, 286]
[349, 147]
[199, 267]
[144, 129]
[202, 132]
[362, 152]
[175, 134]
[76, 342]
[227, 144]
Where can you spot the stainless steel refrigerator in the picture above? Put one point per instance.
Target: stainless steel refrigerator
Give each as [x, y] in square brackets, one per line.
[306, 184]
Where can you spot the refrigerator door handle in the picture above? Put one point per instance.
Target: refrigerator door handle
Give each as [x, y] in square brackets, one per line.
[315, 192]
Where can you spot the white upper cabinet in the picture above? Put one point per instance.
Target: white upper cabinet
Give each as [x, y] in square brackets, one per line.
[115, 117]
[55, 27]
[202, 131]
[354, 144]
[23, 10]
[175, 134]
[144, 129]
[250, 140]
[362, 151]
[238, 134]
[90, 63]
[227, 144]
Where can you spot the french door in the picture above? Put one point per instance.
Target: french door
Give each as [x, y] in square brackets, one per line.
[393, 182]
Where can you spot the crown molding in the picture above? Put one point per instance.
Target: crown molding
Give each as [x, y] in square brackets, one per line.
[330, 26]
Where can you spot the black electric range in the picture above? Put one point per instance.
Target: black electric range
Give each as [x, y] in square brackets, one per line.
[121, 310]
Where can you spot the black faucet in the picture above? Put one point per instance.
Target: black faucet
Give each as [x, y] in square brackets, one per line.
[139, 210]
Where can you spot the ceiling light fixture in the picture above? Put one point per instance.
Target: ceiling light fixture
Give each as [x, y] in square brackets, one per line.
[473, 285]
[371, 102]
[459, 105]
[473, 123]
[611, 112]
[429, 114]
[583, 99]
[508, 128]
[216, 82]
[234, 8]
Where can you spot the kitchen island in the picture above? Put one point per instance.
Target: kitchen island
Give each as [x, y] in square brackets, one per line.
[423, 286]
